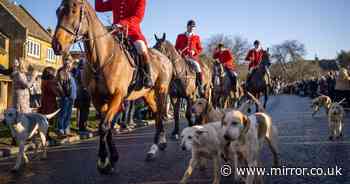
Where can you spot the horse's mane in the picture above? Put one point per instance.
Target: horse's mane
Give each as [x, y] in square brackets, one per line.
[170, 51]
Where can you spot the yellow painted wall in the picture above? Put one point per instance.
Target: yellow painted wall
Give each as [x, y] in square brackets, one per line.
[42, 61]
[4, 80]
[4, 57]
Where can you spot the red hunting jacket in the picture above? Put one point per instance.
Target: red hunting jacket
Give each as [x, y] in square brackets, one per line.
[184, 44]
[128, 13]
[226, 58]
[254, 57]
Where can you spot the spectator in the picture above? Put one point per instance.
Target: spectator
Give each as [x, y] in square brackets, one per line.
[21, 85]
[49, 91]
[67, 91]
[342, 86]
[35, 90]
[83, 98]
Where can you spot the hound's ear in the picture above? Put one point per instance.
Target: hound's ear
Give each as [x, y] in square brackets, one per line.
[223, 123]
[208, 107]
[246, 125]
[156, 37]
[200, 132]
[164, 37]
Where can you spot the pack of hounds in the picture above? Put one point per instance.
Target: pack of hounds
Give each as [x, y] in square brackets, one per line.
[335, 113]
[231, 136]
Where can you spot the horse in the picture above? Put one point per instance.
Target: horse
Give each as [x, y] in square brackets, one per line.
[183, 84]
[225, 93]
[259, 81]
[108, 75]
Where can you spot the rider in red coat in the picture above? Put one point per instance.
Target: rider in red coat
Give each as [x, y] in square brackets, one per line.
[254, 56]
[189, 45]
[226, 58]
[128, 14]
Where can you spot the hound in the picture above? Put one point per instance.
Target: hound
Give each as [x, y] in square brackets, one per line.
[336, 115]
[205, 142]
[203, 112]
[321, 101]
[23, 127]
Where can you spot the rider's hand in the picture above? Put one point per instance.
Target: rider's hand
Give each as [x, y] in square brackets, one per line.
[193, 53]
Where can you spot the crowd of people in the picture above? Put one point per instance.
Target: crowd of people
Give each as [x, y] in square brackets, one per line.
[335, 84]
[62, 90]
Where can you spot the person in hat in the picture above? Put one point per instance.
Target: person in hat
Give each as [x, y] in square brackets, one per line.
[189, 45]
[225, 57]
[67, 92]
[254, 57]
[128, 15]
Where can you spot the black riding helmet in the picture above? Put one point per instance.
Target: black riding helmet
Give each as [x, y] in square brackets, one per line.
[191, 23]
[256, 42]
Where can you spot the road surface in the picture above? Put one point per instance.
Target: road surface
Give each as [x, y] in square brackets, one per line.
[303, 142]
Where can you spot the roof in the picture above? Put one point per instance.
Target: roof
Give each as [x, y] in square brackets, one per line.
[35, 29]
[328, 64]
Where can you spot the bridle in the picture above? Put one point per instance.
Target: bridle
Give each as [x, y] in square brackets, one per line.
[76, 32]
[79, 37]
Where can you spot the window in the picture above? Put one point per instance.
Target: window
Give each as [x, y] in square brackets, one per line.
[2, 42]
[51, 57]
[33, 49]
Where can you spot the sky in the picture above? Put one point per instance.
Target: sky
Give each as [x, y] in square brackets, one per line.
[322, 25]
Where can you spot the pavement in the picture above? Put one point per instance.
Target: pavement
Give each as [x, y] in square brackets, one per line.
[303, 142]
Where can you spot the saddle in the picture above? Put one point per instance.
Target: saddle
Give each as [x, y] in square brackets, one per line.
[134, 59]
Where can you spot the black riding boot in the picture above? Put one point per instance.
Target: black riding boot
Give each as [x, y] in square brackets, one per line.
[199, 84]
[147, 81]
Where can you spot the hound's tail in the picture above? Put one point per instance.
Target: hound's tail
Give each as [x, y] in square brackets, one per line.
[49, 116]
[261, 108]
[341, 101]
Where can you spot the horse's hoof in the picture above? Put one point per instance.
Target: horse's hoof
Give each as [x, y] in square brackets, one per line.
[331, 138]
[105, 167]
[150, 157]
[341, 134]
[175, 136]
[249, 110]
[14, 170]
[162, 146]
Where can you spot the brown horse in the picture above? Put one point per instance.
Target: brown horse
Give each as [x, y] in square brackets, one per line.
[183, 84]
[259, 81]
[109, 73]
[225, 93]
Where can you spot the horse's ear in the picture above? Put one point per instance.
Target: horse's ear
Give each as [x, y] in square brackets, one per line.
[164, 37]
[156, 37]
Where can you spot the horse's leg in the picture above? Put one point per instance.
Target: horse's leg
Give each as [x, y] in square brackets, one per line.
[154, 101]
[175, 133]
[189, 113]
[106, 161]
[266, 98]
[257, 96]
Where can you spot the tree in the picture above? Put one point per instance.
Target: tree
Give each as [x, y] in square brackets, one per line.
[344, 58]
[238, 45]
[288, 51]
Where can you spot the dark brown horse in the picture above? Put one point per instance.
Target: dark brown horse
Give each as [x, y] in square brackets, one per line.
[259, 81]
[183, 85]
[109, 73]
[225, 93]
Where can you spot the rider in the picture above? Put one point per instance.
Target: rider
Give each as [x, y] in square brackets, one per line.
[188, 44]
[225, 57]
[254, 56]
[129, 15]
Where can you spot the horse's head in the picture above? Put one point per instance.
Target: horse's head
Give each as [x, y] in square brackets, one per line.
[165, 47]
[71, 25]
[265, 61]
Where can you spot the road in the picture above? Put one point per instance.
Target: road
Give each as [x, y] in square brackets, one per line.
[303, 142]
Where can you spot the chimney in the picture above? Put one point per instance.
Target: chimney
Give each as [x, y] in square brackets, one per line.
[49, 30]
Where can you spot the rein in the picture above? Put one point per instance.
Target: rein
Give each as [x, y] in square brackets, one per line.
[81, 38]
